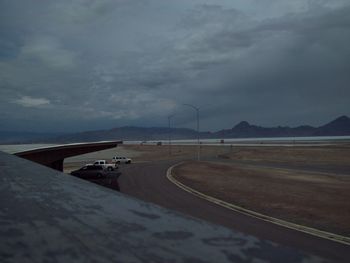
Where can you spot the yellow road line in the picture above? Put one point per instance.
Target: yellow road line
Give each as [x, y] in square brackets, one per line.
[305, 229]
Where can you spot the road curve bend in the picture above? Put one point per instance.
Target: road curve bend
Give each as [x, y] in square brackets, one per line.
[148, 181]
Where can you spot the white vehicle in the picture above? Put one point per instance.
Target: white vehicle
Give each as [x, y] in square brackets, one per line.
[108, 166]
[118, 160]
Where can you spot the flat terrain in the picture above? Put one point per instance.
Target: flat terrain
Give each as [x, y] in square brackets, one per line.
[143, 153]
[310, 173]
[333, 158]
[147, 181]
[305, 185]
[76, 162]
[315, 199]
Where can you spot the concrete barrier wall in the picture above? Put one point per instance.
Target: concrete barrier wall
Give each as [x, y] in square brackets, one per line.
[54, 156]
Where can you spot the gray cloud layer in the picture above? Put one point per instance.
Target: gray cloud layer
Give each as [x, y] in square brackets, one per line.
[85, 64]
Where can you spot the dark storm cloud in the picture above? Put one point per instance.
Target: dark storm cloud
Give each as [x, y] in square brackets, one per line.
[95, 64]
[293, 67]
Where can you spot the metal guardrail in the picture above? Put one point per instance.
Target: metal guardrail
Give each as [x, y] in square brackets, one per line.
[48, 216]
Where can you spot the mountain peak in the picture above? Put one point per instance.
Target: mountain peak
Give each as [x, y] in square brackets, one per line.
[340, 126]
[342, 118]
[242, 125]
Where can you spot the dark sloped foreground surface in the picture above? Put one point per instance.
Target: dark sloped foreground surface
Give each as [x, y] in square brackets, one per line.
[47, 216]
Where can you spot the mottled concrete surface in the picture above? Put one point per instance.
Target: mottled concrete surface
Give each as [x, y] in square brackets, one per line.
[47, 216]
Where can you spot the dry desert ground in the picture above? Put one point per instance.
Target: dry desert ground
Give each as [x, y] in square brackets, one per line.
[303, 184]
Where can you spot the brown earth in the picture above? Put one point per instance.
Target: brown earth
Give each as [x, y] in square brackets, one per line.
[333, 155]
[306, 185]
[319, 200]
[317, 155]
[154, 153]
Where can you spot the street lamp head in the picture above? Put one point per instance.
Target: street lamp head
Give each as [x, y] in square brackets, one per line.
[192, 106]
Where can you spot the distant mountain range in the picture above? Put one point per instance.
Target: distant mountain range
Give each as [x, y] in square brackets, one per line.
[337, 127]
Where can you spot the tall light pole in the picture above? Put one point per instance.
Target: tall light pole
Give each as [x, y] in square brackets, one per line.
[169, 117]
[198, 144]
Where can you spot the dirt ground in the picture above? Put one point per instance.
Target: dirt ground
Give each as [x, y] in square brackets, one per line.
[319, 200]
[330, 154]
[334, 154]
[163, 152]
[144, 153]
[270, 180]
[336, 157]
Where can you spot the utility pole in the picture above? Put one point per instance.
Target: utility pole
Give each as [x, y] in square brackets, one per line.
[169, 142]
[198, 143]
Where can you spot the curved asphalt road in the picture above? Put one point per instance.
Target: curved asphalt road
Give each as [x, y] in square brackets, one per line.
[147, 181]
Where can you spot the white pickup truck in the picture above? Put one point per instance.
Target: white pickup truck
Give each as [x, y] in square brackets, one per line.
[108, 166]
[118, 160]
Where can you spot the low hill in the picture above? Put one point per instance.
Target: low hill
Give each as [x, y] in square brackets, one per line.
[337, 127]
[130, 133]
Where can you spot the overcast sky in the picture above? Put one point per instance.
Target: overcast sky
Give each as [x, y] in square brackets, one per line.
[95, 64]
